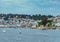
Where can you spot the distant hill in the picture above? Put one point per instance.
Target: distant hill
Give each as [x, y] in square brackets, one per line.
[35, 17]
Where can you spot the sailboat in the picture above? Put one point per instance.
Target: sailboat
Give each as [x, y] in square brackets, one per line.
[19, 30]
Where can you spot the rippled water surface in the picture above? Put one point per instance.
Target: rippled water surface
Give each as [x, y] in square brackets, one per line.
[29, 35]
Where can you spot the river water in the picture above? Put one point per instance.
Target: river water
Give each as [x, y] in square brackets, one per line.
[28, 35]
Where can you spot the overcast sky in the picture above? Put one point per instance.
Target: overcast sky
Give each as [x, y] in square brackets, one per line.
[46, 7]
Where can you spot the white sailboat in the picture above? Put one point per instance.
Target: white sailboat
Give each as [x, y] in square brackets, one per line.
[19, 30]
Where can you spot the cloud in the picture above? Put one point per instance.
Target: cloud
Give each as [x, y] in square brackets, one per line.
[30, 6]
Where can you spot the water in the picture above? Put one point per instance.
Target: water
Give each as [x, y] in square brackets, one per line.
[29, 35]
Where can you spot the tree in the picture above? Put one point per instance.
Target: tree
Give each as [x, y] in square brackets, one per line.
[50, 23]
[40, 23]
[44, 20]
[50, 16]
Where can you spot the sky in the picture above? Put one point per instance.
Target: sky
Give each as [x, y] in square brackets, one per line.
[44, 7]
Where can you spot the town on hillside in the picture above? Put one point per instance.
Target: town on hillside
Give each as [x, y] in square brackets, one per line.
[32, 21]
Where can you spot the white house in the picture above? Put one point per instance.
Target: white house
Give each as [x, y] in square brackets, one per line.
[57, 21]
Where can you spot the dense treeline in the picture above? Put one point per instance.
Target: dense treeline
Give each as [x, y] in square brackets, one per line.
[35, 17]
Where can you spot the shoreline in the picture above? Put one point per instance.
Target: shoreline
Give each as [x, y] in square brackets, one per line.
[41, 28]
